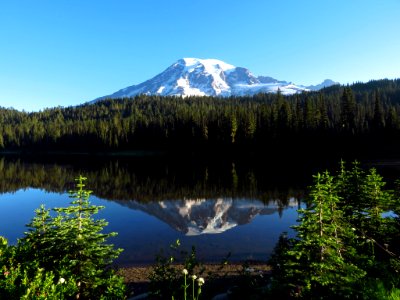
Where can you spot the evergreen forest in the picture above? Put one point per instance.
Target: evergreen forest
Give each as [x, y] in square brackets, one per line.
[363, 117]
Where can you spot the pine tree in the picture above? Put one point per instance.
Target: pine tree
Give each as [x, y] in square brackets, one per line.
[321, 261]
[348, 110]
[344, 248]
[251, 126]
[309, 115]
[233, 127]
[72, 246]
[378, 121]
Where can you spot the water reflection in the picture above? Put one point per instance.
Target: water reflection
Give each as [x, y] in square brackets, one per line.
[208, 216]
[156, 179]
[218, 206]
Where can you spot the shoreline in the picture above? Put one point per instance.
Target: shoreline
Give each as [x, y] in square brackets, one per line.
[218, 277]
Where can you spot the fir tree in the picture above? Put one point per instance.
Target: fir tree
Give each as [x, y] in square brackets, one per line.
[321, 260]
[348, 110]
[72, 246]
[379, 120]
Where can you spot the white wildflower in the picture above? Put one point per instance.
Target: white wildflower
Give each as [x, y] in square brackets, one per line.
[185, 272]
[61, 280]
[194, 277]
[200, 281]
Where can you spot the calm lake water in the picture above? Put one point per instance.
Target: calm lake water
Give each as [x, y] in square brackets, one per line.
[219, 206]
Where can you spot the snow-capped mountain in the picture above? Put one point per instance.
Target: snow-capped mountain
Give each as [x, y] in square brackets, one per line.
[206, 216]
[210, 77]
[324, 84]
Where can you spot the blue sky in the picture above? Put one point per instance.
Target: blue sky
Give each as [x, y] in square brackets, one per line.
[66, 52]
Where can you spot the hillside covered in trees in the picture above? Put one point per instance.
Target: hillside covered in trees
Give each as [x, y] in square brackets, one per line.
[363, 116]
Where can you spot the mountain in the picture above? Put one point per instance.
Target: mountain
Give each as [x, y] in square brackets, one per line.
[324, 84]
[210, 77]
[206, 216]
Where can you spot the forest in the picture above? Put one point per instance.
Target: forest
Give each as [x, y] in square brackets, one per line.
[361, 117]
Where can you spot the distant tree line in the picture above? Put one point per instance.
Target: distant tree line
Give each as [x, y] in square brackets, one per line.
[365, 114]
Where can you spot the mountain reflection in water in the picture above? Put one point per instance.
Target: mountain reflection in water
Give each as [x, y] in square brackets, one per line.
[218, 206]
[208, 216]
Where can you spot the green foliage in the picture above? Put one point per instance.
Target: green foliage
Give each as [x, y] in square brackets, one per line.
[18, 282]
[194, 285]
[321, 255]
[3, 245]
[234, 128]
[348, 110]
[376, 289]
[343, 243]
[62, 256]
[166, 278]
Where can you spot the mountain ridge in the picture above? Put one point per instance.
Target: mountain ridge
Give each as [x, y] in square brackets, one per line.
[210, 77]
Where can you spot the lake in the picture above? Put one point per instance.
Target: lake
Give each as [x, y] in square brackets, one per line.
[220, 206]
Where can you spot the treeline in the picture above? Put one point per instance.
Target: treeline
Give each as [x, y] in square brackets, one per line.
[342, 116]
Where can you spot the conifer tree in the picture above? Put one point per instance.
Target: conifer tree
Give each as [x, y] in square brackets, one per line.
[234, 127]
[344, 248]
[378, 121]
[72, 246]
[321, 260]
[348, 110]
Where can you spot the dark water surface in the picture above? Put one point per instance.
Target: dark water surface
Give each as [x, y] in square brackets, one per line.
[219, 205]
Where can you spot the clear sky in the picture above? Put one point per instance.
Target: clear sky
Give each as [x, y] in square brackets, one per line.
[66, 52]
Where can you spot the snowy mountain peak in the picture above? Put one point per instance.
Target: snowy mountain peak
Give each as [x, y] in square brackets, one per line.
[210, 65]
[324, 84]
[206, 216]
[210, 77]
